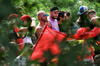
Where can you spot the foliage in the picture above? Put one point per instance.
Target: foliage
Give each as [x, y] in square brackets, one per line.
[31, 7]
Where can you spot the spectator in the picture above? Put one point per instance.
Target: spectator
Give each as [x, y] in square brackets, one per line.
[62, 18]
[94, 18]
[52, 18]
[83, 20]
[97, 60]
[27, 29]
[14, 33]
[42, 16]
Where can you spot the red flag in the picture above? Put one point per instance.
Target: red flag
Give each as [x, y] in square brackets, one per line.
[48, 40]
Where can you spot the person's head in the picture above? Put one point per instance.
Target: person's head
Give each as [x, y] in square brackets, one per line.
[27, 20]
[13, 16]
[83, 10]
[54, 12]
[92, 13]
[97, 60]
[13, 20]
[42, 16]
[67, 15]
[61, 16]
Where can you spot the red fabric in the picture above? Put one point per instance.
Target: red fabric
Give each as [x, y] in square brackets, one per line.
[48, 40]
[20, 43]
[83, 33]
[92, 53]
[20, 40]
[98, 43]
[24, 17]
[95, 32]
[13, 16]
[16, 29]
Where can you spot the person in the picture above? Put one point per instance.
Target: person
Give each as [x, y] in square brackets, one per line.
[42, 16]
[83, 20]
[61, 16]
[52, 18]
[27, 29]
[97, 60]
[62, 19]
[14, 32]
[94, 18]
[86, 32]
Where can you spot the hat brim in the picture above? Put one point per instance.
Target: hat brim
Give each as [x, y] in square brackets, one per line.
[55, 10]
[79, 13]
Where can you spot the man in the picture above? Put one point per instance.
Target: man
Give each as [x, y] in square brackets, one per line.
[83, 20]
[94, 18]
[42, 16]
[61, 16]
[62, 20]
[52, 18]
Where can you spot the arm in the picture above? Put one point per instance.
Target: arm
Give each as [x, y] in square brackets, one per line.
[38, 31]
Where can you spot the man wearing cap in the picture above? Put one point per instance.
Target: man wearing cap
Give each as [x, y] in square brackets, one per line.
[14, 32]
[52, 18]
[42, 16]
[83, 20]
[27, 29]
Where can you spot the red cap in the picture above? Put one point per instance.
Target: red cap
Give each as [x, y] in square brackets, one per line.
[13, 16]
[24, 17]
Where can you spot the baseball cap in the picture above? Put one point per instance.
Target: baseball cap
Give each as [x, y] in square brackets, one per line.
[24, 17]
[82, 10]
[54, 8]
[12, 16]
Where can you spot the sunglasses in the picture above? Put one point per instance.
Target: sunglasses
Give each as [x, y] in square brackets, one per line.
[44, 15]
[68, 14]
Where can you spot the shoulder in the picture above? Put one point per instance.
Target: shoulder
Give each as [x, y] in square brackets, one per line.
[95, 20]
[78, 20]
[48, 18]
[38, 28]
[49, 24]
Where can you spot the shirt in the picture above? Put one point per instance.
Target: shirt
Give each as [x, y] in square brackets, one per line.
[54, 24]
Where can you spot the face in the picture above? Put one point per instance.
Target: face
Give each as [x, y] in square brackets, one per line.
[65, 17]
[54, 14]
[27, 22]
[43, 17]
[91, 15]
